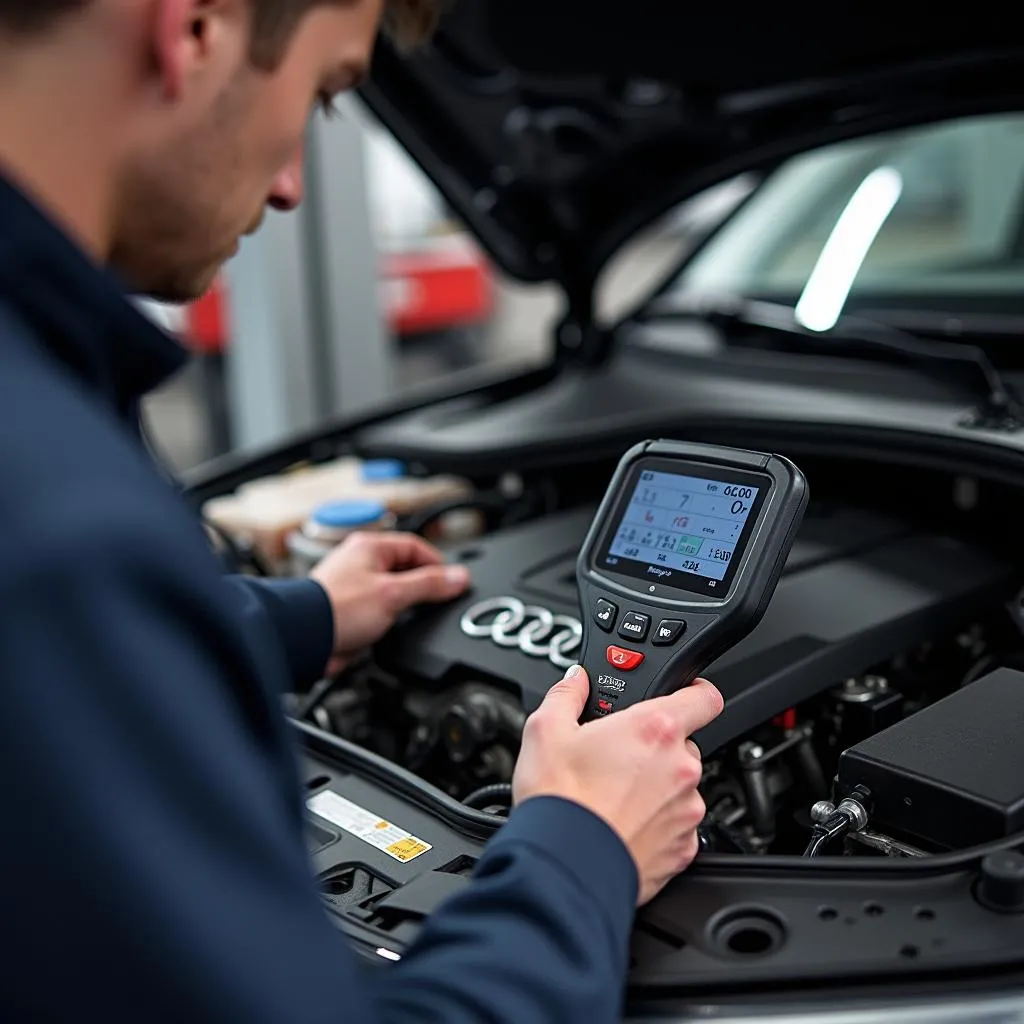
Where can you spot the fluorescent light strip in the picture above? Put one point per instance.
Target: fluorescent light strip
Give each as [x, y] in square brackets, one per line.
[840, 261]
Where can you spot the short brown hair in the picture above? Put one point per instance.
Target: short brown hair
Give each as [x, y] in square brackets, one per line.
[34, 15]
[407, 22]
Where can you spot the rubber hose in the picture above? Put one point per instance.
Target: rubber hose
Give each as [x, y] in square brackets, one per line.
[499, 791]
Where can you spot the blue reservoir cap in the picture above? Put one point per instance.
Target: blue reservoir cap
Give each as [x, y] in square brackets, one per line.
[383, 469]
[340, 514]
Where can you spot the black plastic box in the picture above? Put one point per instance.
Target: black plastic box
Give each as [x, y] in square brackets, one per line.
[951, 775]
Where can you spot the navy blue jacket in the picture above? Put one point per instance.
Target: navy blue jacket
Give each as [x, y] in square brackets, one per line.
[153, 865]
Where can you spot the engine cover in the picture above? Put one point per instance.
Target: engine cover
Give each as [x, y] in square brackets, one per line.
[857, 590]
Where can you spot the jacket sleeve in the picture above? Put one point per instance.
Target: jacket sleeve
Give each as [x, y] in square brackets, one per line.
[155, 833]
[299, 612]
[541, 935]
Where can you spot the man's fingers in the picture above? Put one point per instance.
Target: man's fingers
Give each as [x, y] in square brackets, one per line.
[568, 697]
[431, 583]
[694, 706]
[404, 550]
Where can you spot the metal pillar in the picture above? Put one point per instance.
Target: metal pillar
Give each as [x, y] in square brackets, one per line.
[308, 342]
[343, 269]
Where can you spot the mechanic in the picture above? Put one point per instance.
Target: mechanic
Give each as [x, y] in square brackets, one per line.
[154, 865]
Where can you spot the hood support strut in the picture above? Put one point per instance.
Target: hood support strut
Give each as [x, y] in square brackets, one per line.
[580, 341]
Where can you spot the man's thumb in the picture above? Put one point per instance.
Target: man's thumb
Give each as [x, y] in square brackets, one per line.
[568, 697]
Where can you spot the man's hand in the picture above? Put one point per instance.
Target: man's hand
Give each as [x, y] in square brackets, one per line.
[637, 769]
[371, 578]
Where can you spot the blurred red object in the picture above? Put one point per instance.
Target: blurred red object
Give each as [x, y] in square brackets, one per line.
[206, 331]
[446, 284]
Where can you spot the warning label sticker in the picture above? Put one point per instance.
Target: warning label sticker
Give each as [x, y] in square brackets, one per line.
[366, 826]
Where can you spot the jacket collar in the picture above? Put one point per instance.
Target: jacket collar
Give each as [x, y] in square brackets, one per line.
[79, 311]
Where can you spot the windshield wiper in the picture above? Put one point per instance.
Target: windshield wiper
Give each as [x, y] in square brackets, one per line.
[1000, 407]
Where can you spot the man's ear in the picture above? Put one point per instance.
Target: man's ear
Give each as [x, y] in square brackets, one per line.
[171, 26]
[186, 32]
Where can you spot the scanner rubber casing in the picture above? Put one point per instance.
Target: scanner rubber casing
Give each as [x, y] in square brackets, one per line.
[713, 623]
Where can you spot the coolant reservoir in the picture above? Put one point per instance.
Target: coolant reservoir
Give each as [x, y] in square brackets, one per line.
[265, 512]
[329, 525]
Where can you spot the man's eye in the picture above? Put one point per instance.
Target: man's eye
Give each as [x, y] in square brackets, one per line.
[327, 106]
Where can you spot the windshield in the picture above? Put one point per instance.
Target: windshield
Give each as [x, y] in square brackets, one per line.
[930, 219]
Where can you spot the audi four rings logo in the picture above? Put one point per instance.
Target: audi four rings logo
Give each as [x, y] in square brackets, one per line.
[535, 630]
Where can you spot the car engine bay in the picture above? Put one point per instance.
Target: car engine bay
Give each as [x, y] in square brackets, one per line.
[871, 670]
[864, 786]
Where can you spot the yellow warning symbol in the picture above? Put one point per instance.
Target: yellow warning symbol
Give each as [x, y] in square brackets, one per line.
[407, 849]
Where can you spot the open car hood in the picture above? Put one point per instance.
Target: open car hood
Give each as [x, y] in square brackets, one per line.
[556, 129]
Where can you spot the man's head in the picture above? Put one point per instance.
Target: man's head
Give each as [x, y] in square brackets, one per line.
[211, 99]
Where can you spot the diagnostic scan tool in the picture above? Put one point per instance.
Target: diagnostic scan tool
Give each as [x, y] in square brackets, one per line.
[680, 563]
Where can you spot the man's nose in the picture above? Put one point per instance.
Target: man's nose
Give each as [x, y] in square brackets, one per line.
[286, 190]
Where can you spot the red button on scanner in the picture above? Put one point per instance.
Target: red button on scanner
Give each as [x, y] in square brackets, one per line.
[621, 658]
